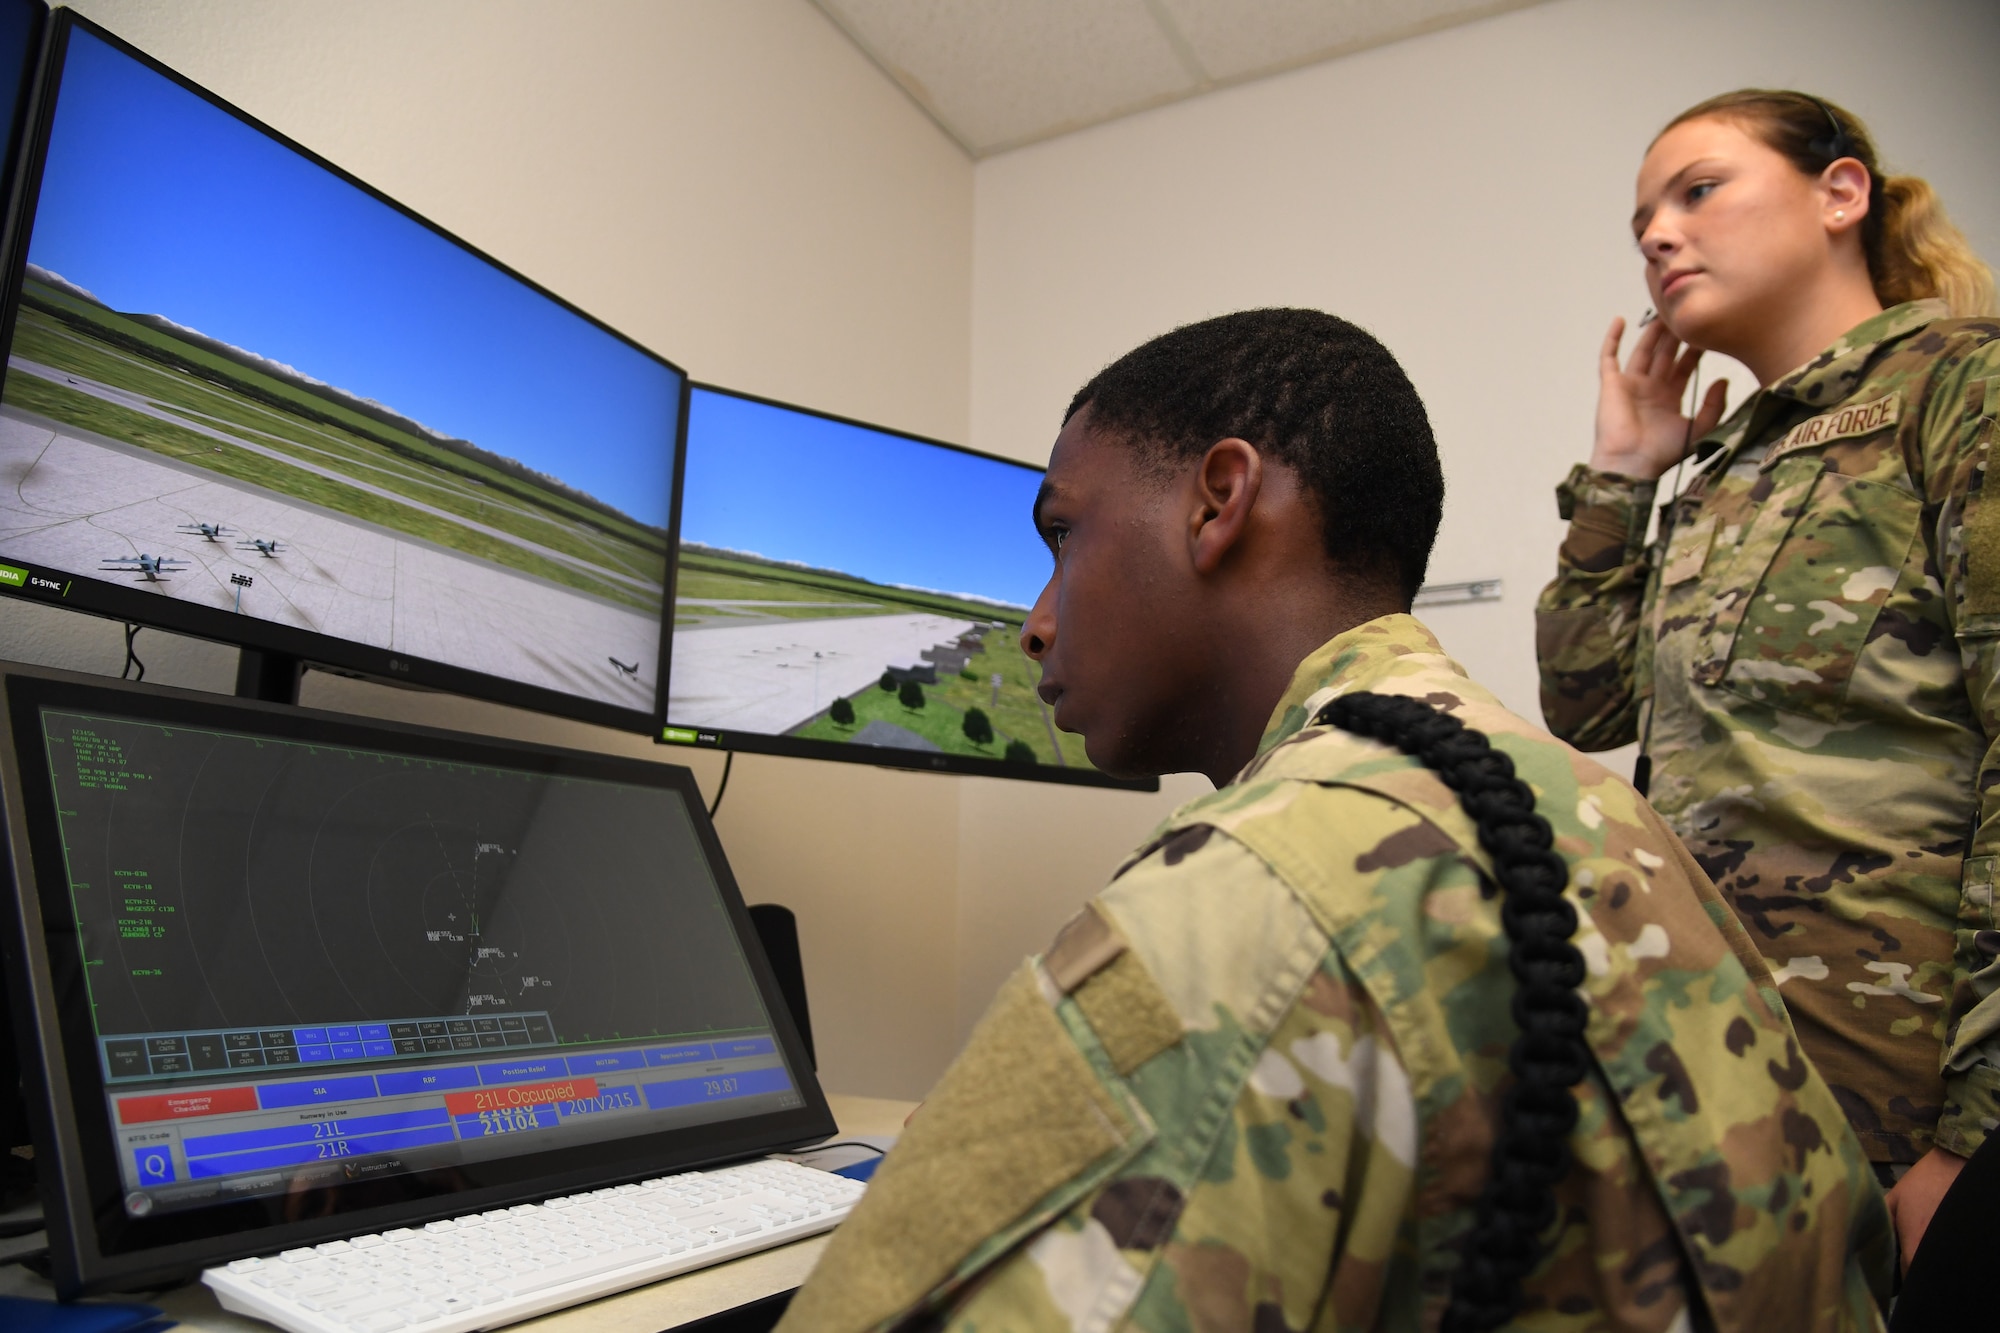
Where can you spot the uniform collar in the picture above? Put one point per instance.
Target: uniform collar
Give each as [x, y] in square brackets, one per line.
[1354, 659]
[1829, 378]
[1835, 374]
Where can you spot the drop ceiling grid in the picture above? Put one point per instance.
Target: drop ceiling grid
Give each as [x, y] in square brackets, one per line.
[999, 74]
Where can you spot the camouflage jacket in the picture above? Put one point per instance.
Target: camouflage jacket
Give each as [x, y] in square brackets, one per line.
[1252, 1085]
[1815, 640]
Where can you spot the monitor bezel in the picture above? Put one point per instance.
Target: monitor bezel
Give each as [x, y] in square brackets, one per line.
[93, 1245]
[752, 742]
[81, 591]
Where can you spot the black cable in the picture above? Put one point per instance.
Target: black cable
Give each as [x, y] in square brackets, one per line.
[132, 658]
[1549, 1057]
[847, 1143]
[728, 762]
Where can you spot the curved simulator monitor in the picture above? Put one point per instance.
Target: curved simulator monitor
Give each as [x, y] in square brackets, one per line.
[294, 977]
[249, 399]
[842, 591]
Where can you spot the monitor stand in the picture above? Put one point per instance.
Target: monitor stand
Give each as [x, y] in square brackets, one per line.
[272, 677]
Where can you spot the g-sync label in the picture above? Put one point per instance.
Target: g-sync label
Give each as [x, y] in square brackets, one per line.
[1840, 424]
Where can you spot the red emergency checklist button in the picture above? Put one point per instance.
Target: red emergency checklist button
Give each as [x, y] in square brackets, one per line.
[179, 1105]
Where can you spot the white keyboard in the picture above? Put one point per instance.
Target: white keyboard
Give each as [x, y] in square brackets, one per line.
[493, 1268]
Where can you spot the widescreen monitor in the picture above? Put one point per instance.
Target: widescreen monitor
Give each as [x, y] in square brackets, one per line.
[250, 399]
[295, 976]
[843, 591]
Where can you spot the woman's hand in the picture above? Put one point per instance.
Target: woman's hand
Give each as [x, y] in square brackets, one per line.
[1915, 1199]
[1640, 430]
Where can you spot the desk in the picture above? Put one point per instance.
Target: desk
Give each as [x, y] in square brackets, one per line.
[663, 1305]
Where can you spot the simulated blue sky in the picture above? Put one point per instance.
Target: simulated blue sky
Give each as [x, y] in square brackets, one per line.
[160, 203]
[793, 486]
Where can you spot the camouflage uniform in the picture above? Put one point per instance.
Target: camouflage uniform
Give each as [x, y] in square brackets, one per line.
[1252, 1085]
[1816, 641]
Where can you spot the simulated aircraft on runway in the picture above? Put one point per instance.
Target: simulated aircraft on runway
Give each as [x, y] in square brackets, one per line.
[149, 568]
[267, 549]
[632, 670]
[209, 530]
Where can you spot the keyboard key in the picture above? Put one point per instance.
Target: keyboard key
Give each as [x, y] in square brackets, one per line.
[576, 1270]
[386, 1322]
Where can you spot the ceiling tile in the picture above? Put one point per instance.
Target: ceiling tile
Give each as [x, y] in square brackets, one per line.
[996, 73]
[1233, 40]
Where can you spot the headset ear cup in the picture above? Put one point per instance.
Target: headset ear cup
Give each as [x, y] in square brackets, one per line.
[1549, 1056]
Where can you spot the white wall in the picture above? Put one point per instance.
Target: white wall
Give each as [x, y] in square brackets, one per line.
[1464, 196]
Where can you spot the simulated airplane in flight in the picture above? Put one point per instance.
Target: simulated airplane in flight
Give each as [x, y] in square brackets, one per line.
[632, 670]
[211, 531]
[149, 568]
[267, 549]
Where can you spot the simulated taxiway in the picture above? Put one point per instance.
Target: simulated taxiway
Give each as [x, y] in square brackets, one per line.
[774, 675]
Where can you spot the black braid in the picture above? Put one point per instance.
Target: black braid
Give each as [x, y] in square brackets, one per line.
[1549, 1057]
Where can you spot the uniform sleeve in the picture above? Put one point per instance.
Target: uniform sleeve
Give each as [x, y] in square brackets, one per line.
[1292, 1217]
[1965, 536]
[1236, 1146]
[1588, 621]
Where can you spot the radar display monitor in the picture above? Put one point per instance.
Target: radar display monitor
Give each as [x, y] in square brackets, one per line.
[292, 971]
[843, 591]
[250, 399]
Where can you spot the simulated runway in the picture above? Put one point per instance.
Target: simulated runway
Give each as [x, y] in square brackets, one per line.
[772, 676]
[71, 499]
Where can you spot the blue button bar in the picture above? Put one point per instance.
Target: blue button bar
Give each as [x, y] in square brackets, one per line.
[345, 1127]
[516, 1071]
[736, 1047]
[313, 1036]
[679, 1055]
[383, 1047]
[715, 1088]
[314, 1092]
[375, 1032]
[326, 1150]
[348, 1050]
[343, 1034]
[490, 1124]
[308, 1054]
[427, 1080]
[603, 1062]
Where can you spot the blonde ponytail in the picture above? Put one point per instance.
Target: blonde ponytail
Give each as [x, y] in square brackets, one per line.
[1913, 250]
[1923, 255]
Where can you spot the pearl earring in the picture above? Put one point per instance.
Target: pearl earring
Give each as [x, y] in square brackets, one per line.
[1840, 215]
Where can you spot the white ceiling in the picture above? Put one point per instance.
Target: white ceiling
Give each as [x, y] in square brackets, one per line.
[997, 74]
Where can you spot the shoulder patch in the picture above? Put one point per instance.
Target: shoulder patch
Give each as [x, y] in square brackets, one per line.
[1019, 1118]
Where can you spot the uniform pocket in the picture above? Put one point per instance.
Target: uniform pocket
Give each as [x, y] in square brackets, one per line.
[1815, 601]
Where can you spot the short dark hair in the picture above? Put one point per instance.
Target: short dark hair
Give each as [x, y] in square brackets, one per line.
[1312, 391]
